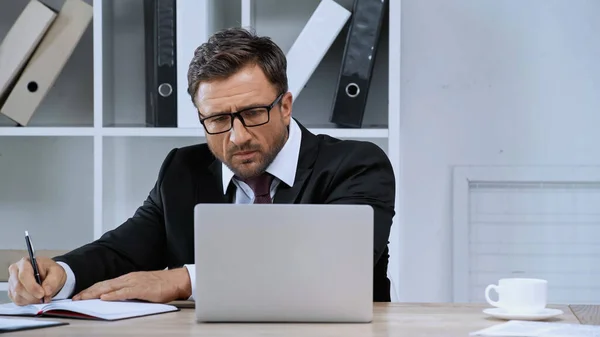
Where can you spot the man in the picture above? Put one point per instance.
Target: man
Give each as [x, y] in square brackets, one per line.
[255, 153]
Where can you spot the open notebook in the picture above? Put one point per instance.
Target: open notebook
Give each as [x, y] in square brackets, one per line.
[88, 309]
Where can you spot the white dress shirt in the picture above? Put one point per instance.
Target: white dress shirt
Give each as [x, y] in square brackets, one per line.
[283, 169]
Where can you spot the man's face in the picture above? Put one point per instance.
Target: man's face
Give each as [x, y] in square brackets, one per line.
[247, 151]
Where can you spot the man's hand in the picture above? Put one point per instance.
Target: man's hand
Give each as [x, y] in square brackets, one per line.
[22, 287]
[154, 286]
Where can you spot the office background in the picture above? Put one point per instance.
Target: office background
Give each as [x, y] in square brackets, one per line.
[487, 109]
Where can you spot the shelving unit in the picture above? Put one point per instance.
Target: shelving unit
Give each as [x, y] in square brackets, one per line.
[167, 132]
[86, 161]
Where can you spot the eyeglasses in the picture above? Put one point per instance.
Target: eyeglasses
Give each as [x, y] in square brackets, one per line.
[250, 117]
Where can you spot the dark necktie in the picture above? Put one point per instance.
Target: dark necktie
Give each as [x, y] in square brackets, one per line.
[261, 186]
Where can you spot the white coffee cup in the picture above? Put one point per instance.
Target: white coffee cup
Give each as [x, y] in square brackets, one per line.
[519, 295]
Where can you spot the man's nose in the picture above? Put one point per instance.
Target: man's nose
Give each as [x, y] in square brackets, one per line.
[239, 134]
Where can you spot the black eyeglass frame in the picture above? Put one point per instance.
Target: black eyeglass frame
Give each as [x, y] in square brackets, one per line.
[238, 114]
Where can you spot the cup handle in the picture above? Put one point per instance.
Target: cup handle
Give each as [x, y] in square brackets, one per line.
[487, 295]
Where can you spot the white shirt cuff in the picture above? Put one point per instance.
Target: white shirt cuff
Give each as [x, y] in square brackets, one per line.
[67, 289]
[191, 268]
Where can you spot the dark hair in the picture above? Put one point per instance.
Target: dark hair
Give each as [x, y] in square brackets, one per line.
[228, 50]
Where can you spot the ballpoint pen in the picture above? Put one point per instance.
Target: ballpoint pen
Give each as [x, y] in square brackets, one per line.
[32, 259]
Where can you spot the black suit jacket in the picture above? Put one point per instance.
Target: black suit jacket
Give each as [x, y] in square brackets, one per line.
[160, 233]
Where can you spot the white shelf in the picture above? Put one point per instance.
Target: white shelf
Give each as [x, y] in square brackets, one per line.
[353, 133]
[151, 132]
[193, 132]
[3, 286]
[168, 132]
[46, 131]
[86, 161]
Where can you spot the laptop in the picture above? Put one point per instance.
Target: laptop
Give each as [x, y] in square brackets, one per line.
[283, 263]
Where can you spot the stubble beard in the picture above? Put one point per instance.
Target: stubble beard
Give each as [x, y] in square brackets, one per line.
[245, 170]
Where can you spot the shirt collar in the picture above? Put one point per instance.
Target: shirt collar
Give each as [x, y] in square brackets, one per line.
[285, 163]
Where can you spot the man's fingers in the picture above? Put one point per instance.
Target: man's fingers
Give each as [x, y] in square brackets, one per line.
[100, 288]
[18, 299]
[122, 294]
[53, 280]
[27, 279]
[18, 291]
[42, 268]
[92, 292]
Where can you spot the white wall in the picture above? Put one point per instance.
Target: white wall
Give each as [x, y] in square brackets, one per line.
[488, 82]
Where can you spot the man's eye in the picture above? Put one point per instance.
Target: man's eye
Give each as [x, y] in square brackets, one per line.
[220, 119]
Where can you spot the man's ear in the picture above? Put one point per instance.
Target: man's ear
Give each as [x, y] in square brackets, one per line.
[286, 107]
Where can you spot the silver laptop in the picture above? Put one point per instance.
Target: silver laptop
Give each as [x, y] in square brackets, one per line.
[284, 263]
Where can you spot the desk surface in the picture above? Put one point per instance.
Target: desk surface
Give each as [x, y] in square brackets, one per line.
[586, 314]
[390, 319]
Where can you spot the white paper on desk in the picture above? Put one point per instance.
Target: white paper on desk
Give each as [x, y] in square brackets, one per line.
[15, 324]
[538, 329]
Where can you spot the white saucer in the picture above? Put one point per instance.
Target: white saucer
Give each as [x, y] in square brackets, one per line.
[535, 316]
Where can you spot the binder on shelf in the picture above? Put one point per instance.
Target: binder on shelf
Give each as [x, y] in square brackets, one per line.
[161, 63]
[315, 39]
[20, 42]
[350, 97]
[47, 61]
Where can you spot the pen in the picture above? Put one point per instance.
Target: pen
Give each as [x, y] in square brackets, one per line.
[31, 251]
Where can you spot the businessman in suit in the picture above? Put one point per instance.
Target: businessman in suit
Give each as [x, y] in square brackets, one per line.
[255, 152]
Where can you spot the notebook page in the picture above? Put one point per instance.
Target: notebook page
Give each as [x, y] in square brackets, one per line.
[110, 310]
[13, 309]
[539, 329]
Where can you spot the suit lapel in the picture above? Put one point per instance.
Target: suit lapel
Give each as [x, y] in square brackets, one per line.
[306, 160]
[288, 195]
[210, 189]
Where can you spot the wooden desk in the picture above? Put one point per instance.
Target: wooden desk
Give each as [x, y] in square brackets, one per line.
[391, 319]
[587, 314]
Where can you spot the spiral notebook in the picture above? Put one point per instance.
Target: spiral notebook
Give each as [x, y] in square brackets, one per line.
[88, 309]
